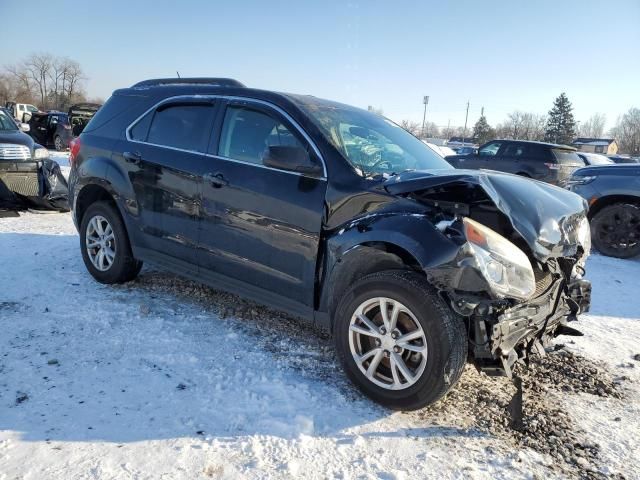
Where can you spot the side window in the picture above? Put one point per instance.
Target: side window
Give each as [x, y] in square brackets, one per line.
[514, 150]
[247, 133]
[185, 126]
[490, 149]
[599, 149]
[139, 131]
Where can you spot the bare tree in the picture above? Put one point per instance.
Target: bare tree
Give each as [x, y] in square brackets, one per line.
[522, 126]
[38, 67]
[413, 128]
[593, 127]
[627, 132]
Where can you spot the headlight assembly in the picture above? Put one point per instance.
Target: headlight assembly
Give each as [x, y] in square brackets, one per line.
[584, 237]
[504, 266]
[40, 153]
[579, 180]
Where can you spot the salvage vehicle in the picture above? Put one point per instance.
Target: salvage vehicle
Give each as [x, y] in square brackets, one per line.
[546, 162]
[613, 193]
[335, 215]
[24, 127]
[28, 177]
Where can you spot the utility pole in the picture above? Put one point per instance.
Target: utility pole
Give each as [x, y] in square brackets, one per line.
[448, 128]
[464, 132]
[425, 100]
[482, 112]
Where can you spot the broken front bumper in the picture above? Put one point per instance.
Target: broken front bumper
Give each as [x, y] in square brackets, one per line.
[514, 332]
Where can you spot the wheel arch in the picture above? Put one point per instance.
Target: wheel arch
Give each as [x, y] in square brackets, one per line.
[402, 242]
[602, 202]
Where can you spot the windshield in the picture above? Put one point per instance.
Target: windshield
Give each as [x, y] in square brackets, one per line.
[369, 142]
[6, 122]
[31, 108]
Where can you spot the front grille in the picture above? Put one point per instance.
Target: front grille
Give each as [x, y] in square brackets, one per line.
[24, 183]
[543, 281]
[11, 151]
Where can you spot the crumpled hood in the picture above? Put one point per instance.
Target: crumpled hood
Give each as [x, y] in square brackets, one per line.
[545, 216]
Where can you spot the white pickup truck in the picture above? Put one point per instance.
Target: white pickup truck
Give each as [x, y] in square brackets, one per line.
[19, 109]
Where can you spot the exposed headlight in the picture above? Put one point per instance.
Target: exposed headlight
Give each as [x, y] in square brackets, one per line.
[40, 153]
[504, 266]
[579, 180]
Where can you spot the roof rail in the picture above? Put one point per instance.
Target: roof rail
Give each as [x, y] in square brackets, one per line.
[219, 82]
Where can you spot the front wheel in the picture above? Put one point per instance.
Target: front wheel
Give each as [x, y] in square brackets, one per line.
[105, 245]
[615, 230]
[398, 341]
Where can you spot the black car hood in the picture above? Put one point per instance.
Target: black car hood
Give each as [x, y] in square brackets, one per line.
[546, 217]
[16, 137]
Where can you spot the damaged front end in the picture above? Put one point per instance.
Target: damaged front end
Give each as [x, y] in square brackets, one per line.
[516, 274]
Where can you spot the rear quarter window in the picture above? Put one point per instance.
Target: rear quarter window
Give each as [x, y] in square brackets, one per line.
[566, 157]
[116, 106]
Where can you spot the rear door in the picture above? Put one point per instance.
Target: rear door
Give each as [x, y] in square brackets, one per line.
[260, 225]
[162, 160]
[488, 156]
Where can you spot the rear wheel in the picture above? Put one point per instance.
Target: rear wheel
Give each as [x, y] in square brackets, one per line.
[398, 341]
[57, 142]
[615, 230]
[105, 245]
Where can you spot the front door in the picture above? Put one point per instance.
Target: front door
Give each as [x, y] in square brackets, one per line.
[260, 225]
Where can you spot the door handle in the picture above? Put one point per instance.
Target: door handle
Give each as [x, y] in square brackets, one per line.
[132, 157]
[217, 180]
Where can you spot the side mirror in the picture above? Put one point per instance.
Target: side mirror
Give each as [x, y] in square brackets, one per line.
[25, 127]
[26, 117]
[294, 159]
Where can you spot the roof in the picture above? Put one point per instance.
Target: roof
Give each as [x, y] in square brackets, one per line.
[594, 141]
[534, 142]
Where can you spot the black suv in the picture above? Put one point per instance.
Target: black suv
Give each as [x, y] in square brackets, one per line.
[335, 215]
[547, 162]
[59, 128]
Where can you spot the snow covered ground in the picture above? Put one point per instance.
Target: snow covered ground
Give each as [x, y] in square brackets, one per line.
[163, 379]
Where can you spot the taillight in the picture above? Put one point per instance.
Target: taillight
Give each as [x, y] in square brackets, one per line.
[74, 148]
[553, 166]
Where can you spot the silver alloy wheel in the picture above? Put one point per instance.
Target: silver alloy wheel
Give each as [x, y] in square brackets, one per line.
[58, 143]
[100, 243]
[387, 343]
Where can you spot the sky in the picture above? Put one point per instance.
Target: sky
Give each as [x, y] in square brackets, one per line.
[500, 55]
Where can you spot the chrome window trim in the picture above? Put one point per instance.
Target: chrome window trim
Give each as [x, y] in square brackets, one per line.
[234, 98]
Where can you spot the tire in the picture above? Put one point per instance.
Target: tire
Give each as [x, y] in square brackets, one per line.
[57, 142]
[615, 230]
[444, 334]
[123, 267]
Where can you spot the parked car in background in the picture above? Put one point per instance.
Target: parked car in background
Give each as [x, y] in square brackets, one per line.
[594, 159]
[51, 129]
[24, 127]
[547, 162]
[441, 150]
[28, 178]
[335, 215]
[465, 150]
[623, 159]
[18, 110]
[613, 193]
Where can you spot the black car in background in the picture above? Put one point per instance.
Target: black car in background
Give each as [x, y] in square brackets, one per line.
[57, 129]
[51, 129]
[613, 193]
[336, 215]
[547, 162]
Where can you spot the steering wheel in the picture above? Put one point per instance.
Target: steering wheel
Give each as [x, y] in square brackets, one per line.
[380, 162]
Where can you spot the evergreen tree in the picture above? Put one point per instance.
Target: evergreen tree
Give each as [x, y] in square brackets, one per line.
[561, 126]
[482, 131]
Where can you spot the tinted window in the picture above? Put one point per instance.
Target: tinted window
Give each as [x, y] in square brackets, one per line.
[490, 149]
[514, 150]
[566, 156]
[141, 128]
[247, 133]
[6, 123]
[181, 126]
